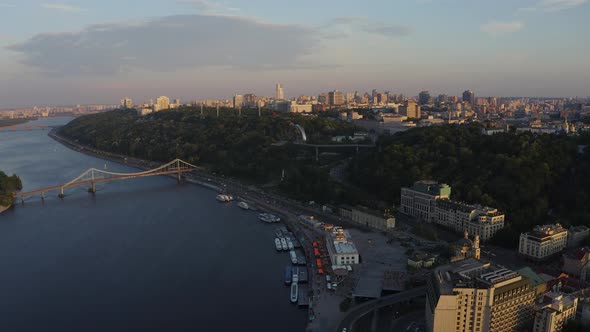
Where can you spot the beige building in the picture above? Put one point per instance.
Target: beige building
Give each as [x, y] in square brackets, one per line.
[543, 242]
[554, 310]
[410, 109]
[368, 218]
[486, 223]
[162, 103]
[419, 201]
[474, 296]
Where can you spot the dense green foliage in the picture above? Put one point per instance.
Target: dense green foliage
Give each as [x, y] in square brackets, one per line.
[534, 179]
[239, 146]
[8, 185]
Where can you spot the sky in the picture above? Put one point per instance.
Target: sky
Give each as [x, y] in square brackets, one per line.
[86, 52]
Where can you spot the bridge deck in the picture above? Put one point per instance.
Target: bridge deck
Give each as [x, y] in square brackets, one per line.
[100, 180]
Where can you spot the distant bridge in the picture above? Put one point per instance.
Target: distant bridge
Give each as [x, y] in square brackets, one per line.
[334, 146]
[93, 176]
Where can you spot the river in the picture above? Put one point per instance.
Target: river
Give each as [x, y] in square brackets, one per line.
[141, 255]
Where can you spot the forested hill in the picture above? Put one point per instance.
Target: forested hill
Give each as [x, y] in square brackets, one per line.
[534, 179]
[242, 146]
[8, 185]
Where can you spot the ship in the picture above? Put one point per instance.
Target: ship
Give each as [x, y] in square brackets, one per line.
[278, 244]
[268, 218]
[293, 257]
[290, 244]
[243, 205]
[294, 292]
[224, 198]
[288, 275]
[284, 244]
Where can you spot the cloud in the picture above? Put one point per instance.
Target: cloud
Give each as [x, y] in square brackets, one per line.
[169, 44]
[393, 30]
[209, 7]
[553, 5]
[501, 28]
[61, 6]
[7, 5]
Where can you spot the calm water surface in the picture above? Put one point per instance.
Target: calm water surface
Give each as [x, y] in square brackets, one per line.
[141, 255]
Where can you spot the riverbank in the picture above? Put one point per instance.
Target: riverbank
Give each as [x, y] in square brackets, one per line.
[4, 208]
[14, 122]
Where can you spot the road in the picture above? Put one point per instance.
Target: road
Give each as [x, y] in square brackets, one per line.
[365, 308]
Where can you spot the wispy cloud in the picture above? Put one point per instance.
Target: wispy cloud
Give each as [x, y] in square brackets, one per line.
[210, 7]
[500, 28]
[168, 44]
[390, 30]
[61, 6]
[553, 5]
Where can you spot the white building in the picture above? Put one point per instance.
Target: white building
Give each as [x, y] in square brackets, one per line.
[368, 218]
[486, 223]
[280, 94]
[300, 108]
[543, 242]
[162, 103]
[553, 311]
[341, 248]
[419, 201]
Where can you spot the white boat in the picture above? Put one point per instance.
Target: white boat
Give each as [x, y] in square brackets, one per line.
[294, 292]
[278, 244]
[295, 276]
[243, 205]
[290, 244]
[224, 198]
[284, 244]
[268, 218]
[293, 256]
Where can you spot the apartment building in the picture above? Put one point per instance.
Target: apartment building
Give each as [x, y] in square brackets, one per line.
[419, 201]
[553, 312]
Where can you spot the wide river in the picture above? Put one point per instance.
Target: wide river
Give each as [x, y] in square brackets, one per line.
[141, 255]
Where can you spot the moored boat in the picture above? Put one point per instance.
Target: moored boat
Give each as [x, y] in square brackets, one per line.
[284, 244]
[293, 256]
[294, 292]
[278, 244]
[295, 274]
[290, 244]
[243, 205]
[224, 198]
[288, 275]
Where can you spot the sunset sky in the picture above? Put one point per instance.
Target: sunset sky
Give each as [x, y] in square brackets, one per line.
[81, 52]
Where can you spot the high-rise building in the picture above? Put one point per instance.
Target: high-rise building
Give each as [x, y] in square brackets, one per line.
[162, 103]
[553, 311]
[336, 98]
[543, 242]
[323, 98]
[471, 295]
[250, 100]
[280, 94]
[126, 103]
[410, 109]
[424, 98]
[469, 97]
[238, 101]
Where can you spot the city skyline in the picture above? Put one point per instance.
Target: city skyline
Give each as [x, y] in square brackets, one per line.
[82, 52]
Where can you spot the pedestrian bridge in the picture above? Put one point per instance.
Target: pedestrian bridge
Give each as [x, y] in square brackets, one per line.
[93, 176]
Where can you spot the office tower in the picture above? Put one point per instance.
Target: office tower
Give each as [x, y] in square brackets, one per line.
[336, 98]
[469, 97]
[424, 98]
[280, 94]
[476, 296]
[238, 101]
[126, 103]
[410, 109]
[162, 103]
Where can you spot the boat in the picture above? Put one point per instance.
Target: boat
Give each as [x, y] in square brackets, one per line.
[295, 274]
[224, 198]
[293, 257]
[278, 244]
[288, 275]
[290, 244]
[284, 244]
[268, 218]
[243, 205]
[294, 292]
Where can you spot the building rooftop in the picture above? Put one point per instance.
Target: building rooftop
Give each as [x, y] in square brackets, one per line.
[342, 241]
[432, 188]
[454, 205]
[546, 231]
[534, 279]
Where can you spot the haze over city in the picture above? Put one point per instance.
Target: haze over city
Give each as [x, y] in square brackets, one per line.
[78, 52]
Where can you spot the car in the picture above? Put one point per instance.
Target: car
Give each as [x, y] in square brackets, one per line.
[329, 286]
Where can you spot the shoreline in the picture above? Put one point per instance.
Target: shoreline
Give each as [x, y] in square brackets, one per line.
[4, 208]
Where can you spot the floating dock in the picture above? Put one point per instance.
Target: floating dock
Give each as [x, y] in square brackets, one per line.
[303, 274]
